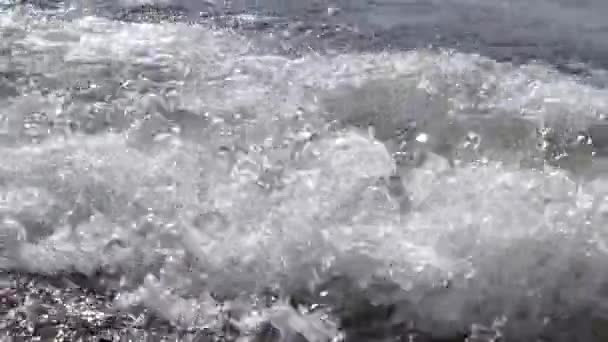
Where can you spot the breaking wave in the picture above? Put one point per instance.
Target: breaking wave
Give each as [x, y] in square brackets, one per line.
[184, 170]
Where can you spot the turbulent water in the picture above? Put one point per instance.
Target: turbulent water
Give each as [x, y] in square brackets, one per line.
[294, 176]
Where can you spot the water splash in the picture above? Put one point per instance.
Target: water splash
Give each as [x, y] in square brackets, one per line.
[186, 170]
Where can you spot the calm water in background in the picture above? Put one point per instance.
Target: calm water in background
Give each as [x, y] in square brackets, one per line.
[559, 32]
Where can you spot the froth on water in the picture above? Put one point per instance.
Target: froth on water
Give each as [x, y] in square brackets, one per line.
[184, 169]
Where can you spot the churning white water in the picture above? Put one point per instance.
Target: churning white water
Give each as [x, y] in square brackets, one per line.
[191, 172]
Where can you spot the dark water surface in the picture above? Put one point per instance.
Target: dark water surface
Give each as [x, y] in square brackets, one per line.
[566, 33]
[561, 32]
